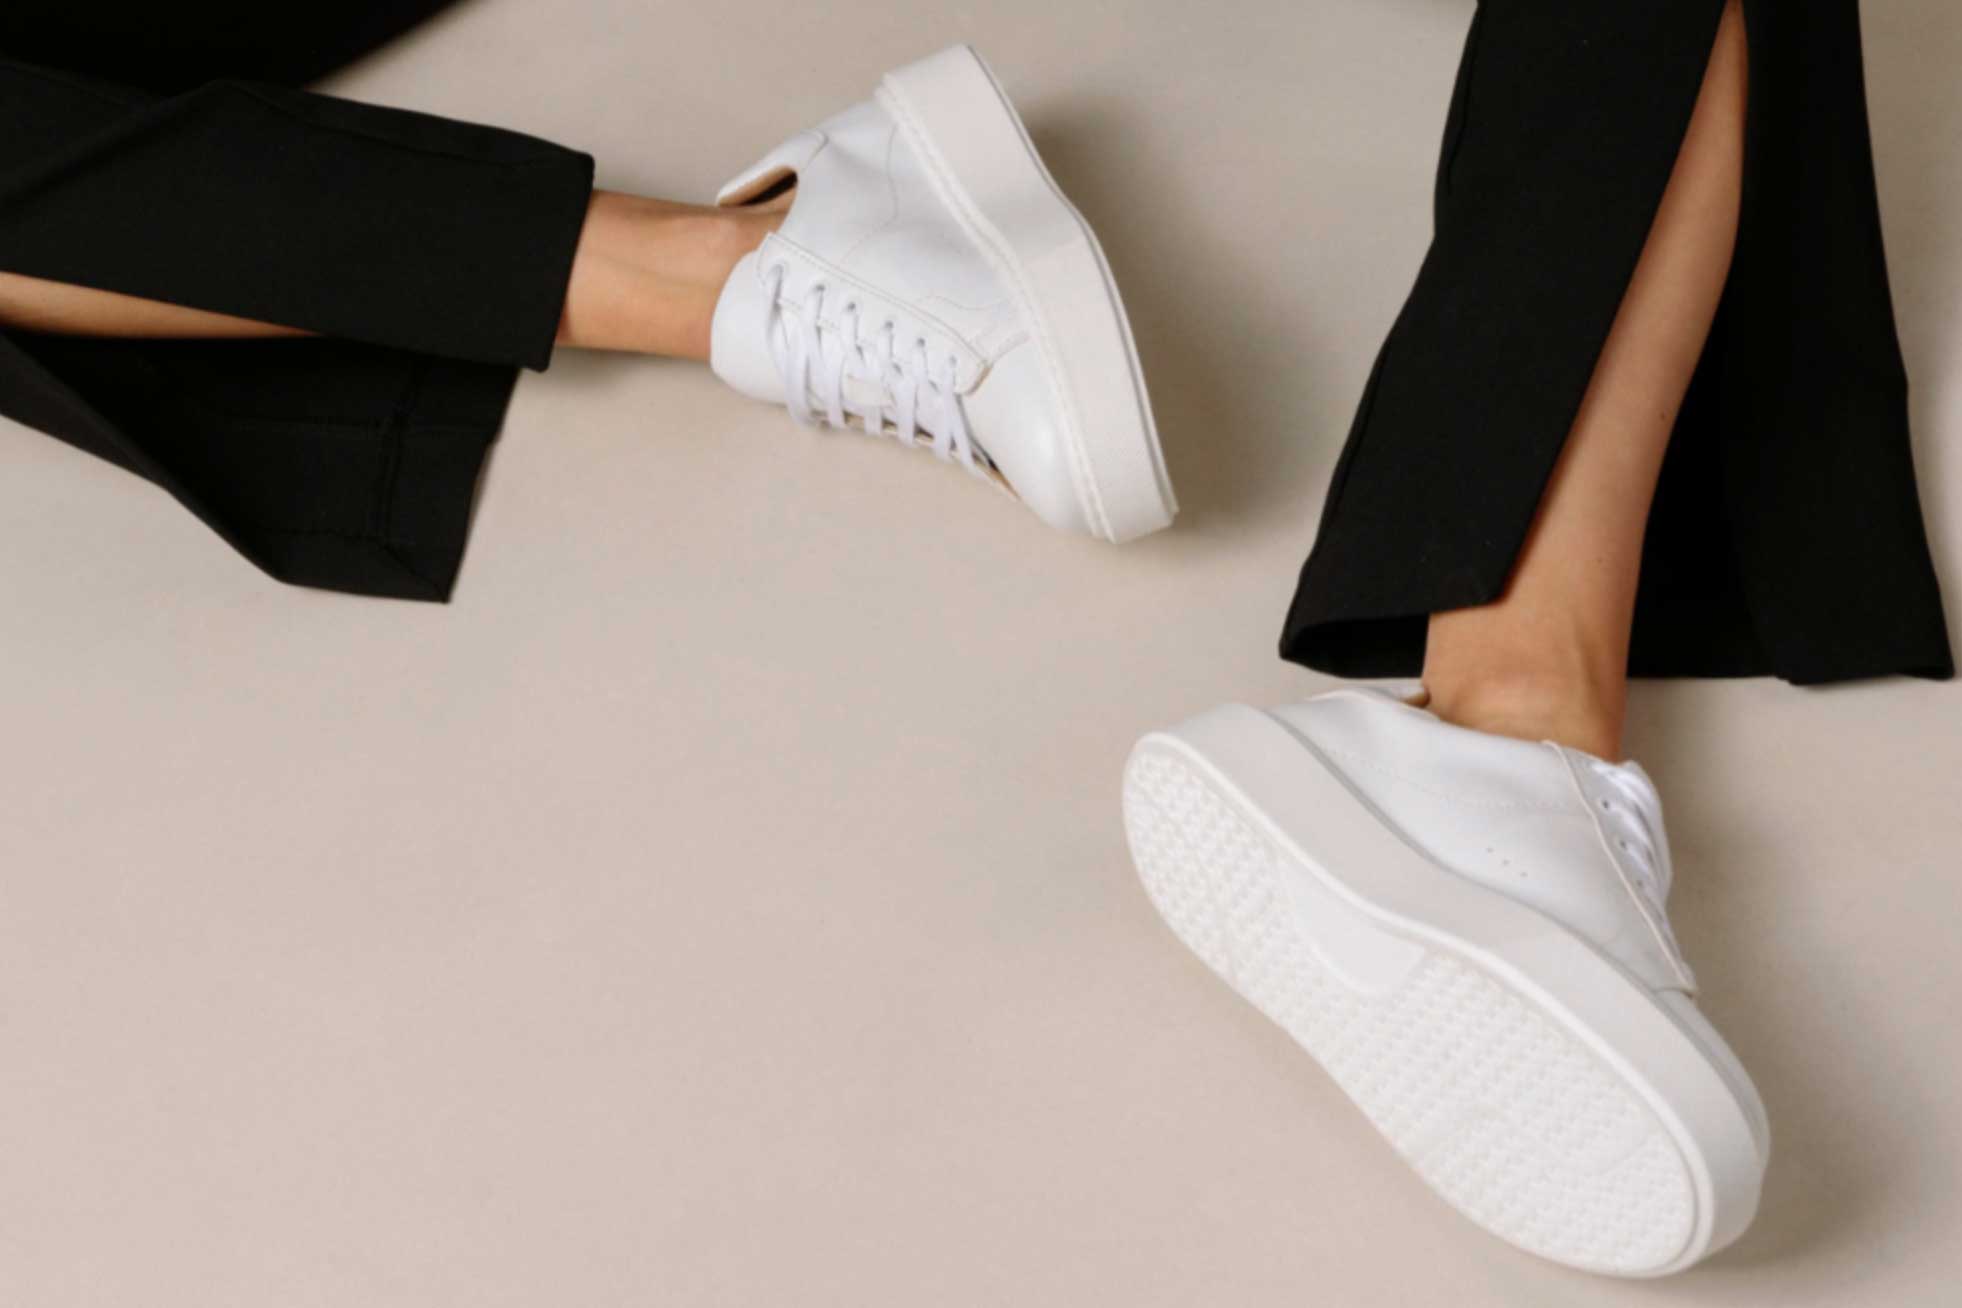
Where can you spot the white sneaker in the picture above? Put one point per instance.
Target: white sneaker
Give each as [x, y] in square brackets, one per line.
[1468, 933]
[931, 280]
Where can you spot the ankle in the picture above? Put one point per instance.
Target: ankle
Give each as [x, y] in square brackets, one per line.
[703, 246]
[648, 273]
[682, 244]
[1532, 704]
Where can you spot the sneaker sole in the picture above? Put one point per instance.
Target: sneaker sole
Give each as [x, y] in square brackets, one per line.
[986, 170]
[1535, 1086]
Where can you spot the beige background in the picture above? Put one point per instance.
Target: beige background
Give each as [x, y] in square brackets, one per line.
[725, 901]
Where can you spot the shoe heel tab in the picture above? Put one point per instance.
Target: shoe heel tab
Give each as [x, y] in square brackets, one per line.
[767, 173]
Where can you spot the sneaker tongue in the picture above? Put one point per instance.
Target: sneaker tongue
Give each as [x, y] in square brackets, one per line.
[1638, 790]
[740, 354]
[739, 339]
[739, 345]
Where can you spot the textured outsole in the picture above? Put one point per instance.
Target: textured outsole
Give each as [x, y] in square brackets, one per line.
[1495, 1102]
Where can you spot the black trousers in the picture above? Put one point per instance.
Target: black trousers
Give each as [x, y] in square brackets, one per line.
[162, 151]
[1786, 536]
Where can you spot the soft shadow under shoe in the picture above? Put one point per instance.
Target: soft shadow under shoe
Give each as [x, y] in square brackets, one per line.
[931, 283]
[1468, 933]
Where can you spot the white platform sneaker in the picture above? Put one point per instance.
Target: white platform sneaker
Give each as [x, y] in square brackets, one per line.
[1468, 933]
[932, 284]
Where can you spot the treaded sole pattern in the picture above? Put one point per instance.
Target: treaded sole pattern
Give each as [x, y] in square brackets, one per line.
[1503, 1111]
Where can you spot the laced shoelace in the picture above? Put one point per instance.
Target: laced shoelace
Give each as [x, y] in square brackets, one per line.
[1634, 802]
[911, 392]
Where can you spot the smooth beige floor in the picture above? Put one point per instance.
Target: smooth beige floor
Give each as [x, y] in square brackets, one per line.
[724, 901]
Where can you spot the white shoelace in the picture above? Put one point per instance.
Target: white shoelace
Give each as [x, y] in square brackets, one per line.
[1639, 829]
[909, 393]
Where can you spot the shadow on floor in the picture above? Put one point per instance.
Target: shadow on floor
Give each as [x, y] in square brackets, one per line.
[1915, 104]
[1825, 1189]
[1216, 348]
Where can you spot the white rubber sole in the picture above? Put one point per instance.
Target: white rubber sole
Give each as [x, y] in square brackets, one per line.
[1531, 1082]
[985, 168]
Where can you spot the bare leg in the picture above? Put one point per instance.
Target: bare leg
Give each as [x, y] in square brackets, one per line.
[58, 308]
[645, 278]
[1549, 660]
[648, 273]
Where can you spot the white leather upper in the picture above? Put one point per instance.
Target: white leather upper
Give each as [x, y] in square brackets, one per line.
[1534, 821]
[867, 226]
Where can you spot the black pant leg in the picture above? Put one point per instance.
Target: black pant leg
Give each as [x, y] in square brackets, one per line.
[346, 219]
[432, 254]
[1786, 535]
[167, 48]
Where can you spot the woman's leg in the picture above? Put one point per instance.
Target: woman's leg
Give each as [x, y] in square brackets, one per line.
[645, 278]
[166, 49]
[1515, 938]
[1549, 660]
[429, 260]
[648, 273]
[61, 309]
